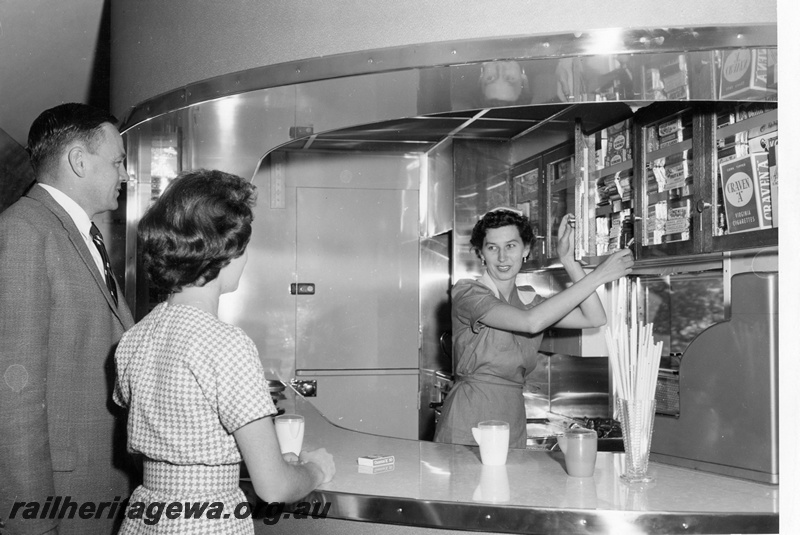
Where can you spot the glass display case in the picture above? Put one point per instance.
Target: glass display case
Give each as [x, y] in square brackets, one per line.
[666, 184]
[675, 179]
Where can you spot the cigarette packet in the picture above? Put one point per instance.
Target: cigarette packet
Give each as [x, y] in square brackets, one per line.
[375, 469]
[375, 460]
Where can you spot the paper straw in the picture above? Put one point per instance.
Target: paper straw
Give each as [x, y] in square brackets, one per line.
[634, 357]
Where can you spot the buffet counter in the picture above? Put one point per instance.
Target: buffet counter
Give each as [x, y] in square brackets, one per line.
[435, 487]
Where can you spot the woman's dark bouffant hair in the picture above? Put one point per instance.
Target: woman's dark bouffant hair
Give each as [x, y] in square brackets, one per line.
[199, 224]
[497, 219]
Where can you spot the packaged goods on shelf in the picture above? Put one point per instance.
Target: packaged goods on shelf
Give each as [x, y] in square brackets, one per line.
[564, 169]
[614, 187]
[747, 110]
[619, 143]
[733, 147]
[760, 138]
[600, 148]
[653, 88]
[651, 138]
[667, 78]
[676, 227]
[725, 117]
[655, 182]
[674, 74]
[678, 175]
[668, 133]
[748, 73]
[527, 186]
[655, 223]
[671, 172]
[729, 141]
[748, 202]
[669, 127]
[602, 226]
[609, 232]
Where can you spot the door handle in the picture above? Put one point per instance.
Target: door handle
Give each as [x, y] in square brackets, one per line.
[302, 288]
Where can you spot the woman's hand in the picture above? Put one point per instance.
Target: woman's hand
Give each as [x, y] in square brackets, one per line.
[615, 266]
[566, 239]
[322, 459]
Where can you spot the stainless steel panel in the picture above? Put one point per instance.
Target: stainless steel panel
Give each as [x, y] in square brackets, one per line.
[361, 249]
[605, 44]
[579, 387]
[483, 182]
[381, 402]
[437, 182]
[728, 419]
[435, 326]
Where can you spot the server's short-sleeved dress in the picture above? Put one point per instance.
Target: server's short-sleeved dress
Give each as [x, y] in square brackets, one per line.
[189, 381]
[491, 365]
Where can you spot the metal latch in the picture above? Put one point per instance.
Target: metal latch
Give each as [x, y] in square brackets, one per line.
[305, 387]
[302, 288]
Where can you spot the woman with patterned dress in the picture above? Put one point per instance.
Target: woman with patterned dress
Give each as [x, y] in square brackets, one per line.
[497, 329]
[197, 399]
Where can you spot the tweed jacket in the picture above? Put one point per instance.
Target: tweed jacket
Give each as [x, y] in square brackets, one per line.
[60, 433]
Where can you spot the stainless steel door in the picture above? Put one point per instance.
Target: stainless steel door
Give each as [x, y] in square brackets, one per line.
[360, 248]
[358, 333]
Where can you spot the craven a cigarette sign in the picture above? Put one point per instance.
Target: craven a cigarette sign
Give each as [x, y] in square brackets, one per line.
[743, 205]
[747, 73]
[737, 64]
[739, 189]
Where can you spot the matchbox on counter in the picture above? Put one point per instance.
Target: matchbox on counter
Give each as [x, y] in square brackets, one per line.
[375, 460]
[746, 189]
[362, 469]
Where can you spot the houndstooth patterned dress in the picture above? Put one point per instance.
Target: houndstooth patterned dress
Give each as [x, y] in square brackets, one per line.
[189, 381]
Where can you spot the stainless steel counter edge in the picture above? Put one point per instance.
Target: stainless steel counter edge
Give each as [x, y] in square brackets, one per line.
[499, 518]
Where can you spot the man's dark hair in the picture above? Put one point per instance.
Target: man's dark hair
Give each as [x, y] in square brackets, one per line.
[57, 127]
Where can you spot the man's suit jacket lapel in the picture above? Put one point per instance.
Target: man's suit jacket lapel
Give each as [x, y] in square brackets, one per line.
[40, 194]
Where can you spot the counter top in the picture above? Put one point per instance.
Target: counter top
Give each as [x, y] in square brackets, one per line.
[446, 486]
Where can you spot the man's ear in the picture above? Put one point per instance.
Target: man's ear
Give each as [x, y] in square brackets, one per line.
[77, 160]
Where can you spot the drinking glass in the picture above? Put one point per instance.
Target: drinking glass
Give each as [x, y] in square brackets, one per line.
[637, 418]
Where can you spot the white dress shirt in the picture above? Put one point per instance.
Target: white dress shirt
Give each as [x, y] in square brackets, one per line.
[81, 220]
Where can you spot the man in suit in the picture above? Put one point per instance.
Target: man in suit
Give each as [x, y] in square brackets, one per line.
[61, 316]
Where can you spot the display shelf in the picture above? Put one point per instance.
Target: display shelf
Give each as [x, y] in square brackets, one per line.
[668, 198]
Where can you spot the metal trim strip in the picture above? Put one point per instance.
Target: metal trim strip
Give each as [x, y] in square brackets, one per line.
[513, 519]
[443, 54]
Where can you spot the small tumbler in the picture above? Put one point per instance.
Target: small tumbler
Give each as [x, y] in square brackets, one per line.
[637, 430]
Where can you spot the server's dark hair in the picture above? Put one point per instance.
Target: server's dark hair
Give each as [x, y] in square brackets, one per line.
[196, 227]
[498, 219]
[57, 127]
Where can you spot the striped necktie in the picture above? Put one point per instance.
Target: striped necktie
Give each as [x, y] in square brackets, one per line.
[97, 238]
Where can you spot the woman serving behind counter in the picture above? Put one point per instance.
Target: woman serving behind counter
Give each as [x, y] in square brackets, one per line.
[496, 335]
[194, 386]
